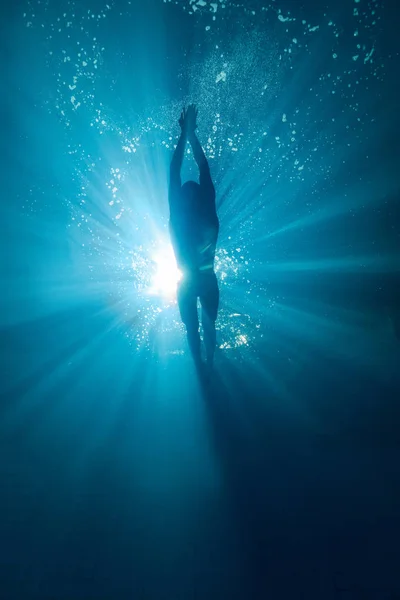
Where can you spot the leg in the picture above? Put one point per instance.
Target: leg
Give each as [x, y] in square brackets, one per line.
[187, 302]
[209, 299]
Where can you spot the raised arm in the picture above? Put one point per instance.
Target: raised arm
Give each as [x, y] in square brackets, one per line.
[177, 160]
[198, 152]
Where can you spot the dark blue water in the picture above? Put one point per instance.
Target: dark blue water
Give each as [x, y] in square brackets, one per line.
[122, 474]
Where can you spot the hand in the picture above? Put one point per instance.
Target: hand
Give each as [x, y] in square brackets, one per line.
[190, 118]
[183, 121]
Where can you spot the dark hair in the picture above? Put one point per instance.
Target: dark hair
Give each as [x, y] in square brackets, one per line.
[191, 188]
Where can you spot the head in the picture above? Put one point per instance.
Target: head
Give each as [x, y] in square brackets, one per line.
[191, 192]
[191, 199]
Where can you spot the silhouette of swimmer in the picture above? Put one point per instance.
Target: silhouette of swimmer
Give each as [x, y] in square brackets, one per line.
[194, 230]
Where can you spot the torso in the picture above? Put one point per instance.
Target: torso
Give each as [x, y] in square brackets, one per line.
[194, 240]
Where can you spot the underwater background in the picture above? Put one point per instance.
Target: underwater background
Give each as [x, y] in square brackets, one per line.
[121, 474]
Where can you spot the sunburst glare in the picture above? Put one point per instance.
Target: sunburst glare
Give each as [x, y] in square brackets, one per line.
[166, 273]
[200, 299]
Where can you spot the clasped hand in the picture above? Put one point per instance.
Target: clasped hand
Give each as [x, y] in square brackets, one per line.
[188, 120]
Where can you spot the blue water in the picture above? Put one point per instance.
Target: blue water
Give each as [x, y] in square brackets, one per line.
[122, 474]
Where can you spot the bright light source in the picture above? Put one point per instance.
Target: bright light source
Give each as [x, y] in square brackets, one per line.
[166, 275]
